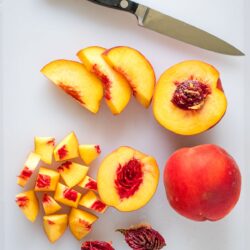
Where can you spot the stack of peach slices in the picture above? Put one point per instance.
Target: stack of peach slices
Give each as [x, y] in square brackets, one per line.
[188, 98]
[127, 180]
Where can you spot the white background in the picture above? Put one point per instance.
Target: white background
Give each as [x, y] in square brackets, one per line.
[36, 32]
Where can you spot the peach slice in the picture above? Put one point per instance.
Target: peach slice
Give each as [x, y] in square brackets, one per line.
[44, 147]
[117, 91]
[47, 179]
[55, 226]
[74, 79]
[88, 183]
[136, 69]
[127, 179]
[189, 98]
[80, 222]
[50, 206]
[91, 200]
[29, 166]
[72, 173]
[89, 153]
[28, 204]
[67, 196]
[67, 149]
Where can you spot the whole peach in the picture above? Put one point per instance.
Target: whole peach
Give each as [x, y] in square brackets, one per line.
[202, 182]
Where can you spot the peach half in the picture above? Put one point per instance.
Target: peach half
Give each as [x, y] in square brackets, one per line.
[75, 80]
[117, 91]
[136, 69]
[127, 179]
[189, 98]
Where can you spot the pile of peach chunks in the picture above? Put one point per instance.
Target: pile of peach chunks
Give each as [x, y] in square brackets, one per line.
[49, 180]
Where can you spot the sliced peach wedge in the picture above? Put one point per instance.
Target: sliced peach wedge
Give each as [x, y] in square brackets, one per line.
[189, 98]
[127, 179]
[136, 69]
[89, 152]
[44, 147]
[28, 203]
[55, 226]
[75, 80]
[72, 173]
[117, 91]
[88, 183]
[50, 206]
[29, 166]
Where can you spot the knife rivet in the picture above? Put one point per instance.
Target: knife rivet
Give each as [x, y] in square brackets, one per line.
[124, 4]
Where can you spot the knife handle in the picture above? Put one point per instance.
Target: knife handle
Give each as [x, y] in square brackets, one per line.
[125, 5]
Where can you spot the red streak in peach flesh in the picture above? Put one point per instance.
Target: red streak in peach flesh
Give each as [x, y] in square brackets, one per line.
[62, 152]
[98, 206]
[85, 224]
[22, 201]
[72, 92]
[98, 149]
[43, 181]
[51, 142]
[91, 185]
[50, 222]
[66, 165]
[46, 198]
[70, 194]
[105, 81]
[26, 173]
[129, 177]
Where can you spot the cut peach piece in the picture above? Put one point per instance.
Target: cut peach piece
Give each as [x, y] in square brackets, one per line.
[55, 226]
[44, 147]
[189, 98]
[29, 166]
[88, 183]
[117, 91]
[67, 196]
[72, 173]
[28, 204]
[47, 179]
[89, 153]
[91, 200]
[74, 79]
[50, 206]
[67, 149]
[127, 179]
[136, 69]
[80, 222]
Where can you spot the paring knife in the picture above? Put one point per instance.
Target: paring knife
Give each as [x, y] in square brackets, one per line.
[172, 27]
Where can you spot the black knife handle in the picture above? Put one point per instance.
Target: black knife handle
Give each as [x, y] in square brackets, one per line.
[125, 5]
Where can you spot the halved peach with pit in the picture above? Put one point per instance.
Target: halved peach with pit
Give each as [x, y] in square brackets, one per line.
[136, 69]
[189, 98]
[127, 179]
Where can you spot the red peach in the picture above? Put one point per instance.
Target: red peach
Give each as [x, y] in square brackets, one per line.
[202, 182]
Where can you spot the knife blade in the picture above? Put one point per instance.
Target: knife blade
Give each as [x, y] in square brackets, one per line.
[169, 26]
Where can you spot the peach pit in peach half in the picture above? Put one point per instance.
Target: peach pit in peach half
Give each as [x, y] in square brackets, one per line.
[189, 98]
[127, 179]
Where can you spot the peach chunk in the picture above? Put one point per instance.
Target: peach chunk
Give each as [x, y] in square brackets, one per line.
[88, 183]
[50, 206]
[72, 173]
[91, 200]
[136, 69]
[127, 179]
[89, 152]
[29, 166]
[80, 222]
[55, 226]
[189, 98]
[117, 91]
[28, 204]
[44, 147]
[47, 179]
[75, 80]
[202, 182]
[66, 195]
[67, 149]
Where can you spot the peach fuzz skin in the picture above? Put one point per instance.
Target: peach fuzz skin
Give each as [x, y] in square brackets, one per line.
[202, 182]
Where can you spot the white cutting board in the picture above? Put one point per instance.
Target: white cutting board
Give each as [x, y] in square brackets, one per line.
[36, 32]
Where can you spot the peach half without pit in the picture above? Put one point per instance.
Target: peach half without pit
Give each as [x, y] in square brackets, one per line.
[189, 98]
[127, 179]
